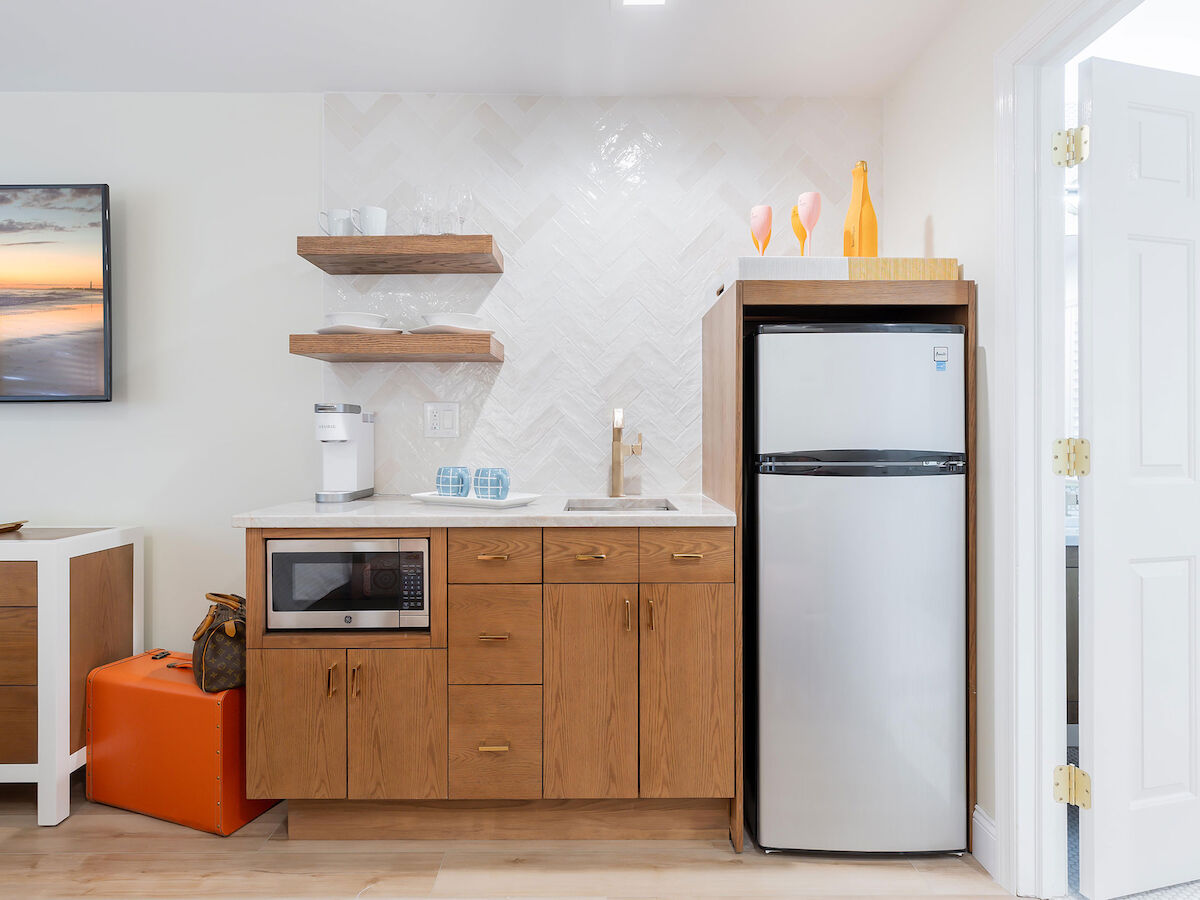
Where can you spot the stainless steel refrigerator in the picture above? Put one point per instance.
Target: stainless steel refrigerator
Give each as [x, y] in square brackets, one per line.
[858, 569]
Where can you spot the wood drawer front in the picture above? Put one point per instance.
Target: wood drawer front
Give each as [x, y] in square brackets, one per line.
[494, 717]
[18, 725]
[18, 584]
[494, 555]
[18, 645]
[495, 634]
[682, 555]
[590, 555]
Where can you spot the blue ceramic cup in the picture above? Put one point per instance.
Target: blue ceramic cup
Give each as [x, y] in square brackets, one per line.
[454, 481]
[491, 484]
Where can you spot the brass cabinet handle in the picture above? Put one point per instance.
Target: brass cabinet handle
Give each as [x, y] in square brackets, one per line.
[487, 556]
[584, 557]
[651, 602]
[355, 690]
[329, 688]
[494, 637]
[628, 616]
[687, 556]
[493, 748]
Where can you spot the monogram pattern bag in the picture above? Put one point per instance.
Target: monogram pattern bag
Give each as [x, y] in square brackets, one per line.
[219, 652]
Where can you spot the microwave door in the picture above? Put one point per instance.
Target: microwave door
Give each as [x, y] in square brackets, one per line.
[336, 584]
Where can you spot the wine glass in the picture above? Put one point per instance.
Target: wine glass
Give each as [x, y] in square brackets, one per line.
[427, 213]
[461, 202]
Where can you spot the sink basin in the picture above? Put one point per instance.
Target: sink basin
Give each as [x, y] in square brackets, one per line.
[618, 504]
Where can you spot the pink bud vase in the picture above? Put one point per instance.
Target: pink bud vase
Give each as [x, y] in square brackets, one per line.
[808, 210]
[760, 228]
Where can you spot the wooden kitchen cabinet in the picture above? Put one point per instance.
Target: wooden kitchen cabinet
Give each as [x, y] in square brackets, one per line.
[296, 724]
[687, 690]
[396, 723]
[590, 672]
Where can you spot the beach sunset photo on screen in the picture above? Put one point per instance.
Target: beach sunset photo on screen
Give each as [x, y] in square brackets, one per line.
[55, 330]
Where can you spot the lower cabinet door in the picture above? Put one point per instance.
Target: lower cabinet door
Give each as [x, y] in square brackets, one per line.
[687, 690]
[397, 724]
[590, 673]
[495, 741]
[296, 724]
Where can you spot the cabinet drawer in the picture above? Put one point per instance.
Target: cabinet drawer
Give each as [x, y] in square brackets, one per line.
[494, 555]
[674, 555]
[18, 645]
[590, 555]
[18, 725]
[495, 742]
[494, 634]
[18, 584]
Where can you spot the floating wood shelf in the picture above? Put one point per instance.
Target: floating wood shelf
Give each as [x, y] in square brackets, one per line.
[398, 347]
[403, 254]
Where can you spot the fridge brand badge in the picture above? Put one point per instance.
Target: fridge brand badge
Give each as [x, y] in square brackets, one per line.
[941, 355]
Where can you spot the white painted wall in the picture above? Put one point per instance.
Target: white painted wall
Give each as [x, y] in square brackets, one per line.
[210, 416]
[938, 137]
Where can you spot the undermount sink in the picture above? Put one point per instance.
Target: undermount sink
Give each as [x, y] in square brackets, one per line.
[618, 504]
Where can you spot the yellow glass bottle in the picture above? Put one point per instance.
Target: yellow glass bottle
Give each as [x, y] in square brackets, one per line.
[861, 234]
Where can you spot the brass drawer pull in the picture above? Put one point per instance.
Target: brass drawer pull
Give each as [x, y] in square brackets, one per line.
[329, 689]
[355, 689]
[584, 557]
[494, 637]
[487, 556]
[628, 616]
[651, 602]
[493, 748]
[687, 556]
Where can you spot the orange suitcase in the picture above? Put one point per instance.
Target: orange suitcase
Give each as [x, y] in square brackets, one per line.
[157, 744]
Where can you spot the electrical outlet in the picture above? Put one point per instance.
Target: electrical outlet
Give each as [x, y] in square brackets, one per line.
[441, 420]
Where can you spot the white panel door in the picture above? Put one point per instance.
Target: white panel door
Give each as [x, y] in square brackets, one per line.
[1139, 652]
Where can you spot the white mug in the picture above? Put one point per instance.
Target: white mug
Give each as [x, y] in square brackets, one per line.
[370, 219]
[336, 221]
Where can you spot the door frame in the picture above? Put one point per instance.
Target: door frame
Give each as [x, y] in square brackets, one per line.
[1030, 854]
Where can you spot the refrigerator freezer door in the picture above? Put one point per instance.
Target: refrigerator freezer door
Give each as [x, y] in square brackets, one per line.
[827, 391]
[862, 663]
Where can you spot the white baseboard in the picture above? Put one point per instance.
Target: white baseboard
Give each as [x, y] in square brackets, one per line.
[983, 841]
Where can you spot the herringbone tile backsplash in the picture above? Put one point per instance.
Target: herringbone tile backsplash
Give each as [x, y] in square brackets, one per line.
[616, 217]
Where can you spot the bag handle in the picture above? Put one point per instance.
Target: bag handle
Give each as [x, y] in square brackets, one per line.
[233, 601]
[179, 665]
[203, 626]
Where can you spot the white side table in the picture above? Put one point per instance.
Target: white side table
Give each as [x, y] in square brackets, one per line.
[70, 600]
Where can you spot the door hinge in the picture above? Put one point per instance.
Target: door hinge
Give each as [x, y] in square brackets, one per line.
[1072, 786]
[1071, 456]
[1071, 147]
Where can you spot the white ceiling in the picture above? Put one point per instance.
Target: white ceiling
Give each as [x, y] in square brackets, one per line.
[706, 47]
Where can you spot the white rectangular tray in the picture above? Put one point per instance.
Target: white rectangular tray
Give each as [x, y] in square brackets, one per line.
[513, 499]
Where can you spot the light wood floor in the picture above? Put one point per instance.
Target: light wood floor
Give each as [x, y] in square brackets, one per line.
[104, 852]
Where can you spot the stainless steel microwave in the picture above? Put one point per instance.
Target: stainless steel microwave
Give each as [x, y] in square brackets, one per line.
[321, 583]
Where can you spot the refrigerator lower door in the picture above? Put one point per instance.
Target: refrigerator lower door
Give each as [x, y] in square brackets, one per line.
[862, 663]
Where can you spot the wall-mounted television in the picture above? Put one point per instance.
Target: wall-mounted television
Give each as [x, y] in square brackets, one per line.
[55, 292]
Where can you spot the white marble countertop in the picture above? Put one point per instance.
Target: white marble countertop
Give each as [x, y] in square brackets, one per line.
[401, 511]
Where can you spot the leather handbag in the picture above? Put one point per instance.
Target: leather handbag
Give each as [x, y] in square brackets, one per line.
[219, 651]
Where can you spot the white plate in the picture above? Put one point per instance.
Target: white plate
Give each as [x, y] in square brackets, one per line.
[513, 499]
[458, 320]
[346, 317]
[357, 329]
[448, 329]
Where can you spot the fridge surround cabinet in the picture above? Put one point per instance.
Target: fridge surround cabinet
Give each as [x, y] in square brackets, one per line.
[727, 444]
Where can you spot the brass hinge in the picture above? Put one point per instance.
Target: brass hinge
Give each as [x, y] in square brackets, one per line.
[1071, 147]
[1072, 786]
[1071, 456]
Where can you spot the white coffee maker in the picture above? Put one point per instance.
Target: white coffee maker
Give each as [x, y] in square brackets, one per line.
[347, 436]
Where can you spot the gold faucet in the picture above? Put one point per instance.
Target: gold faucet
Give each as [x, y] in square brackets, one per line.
[619, 452]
